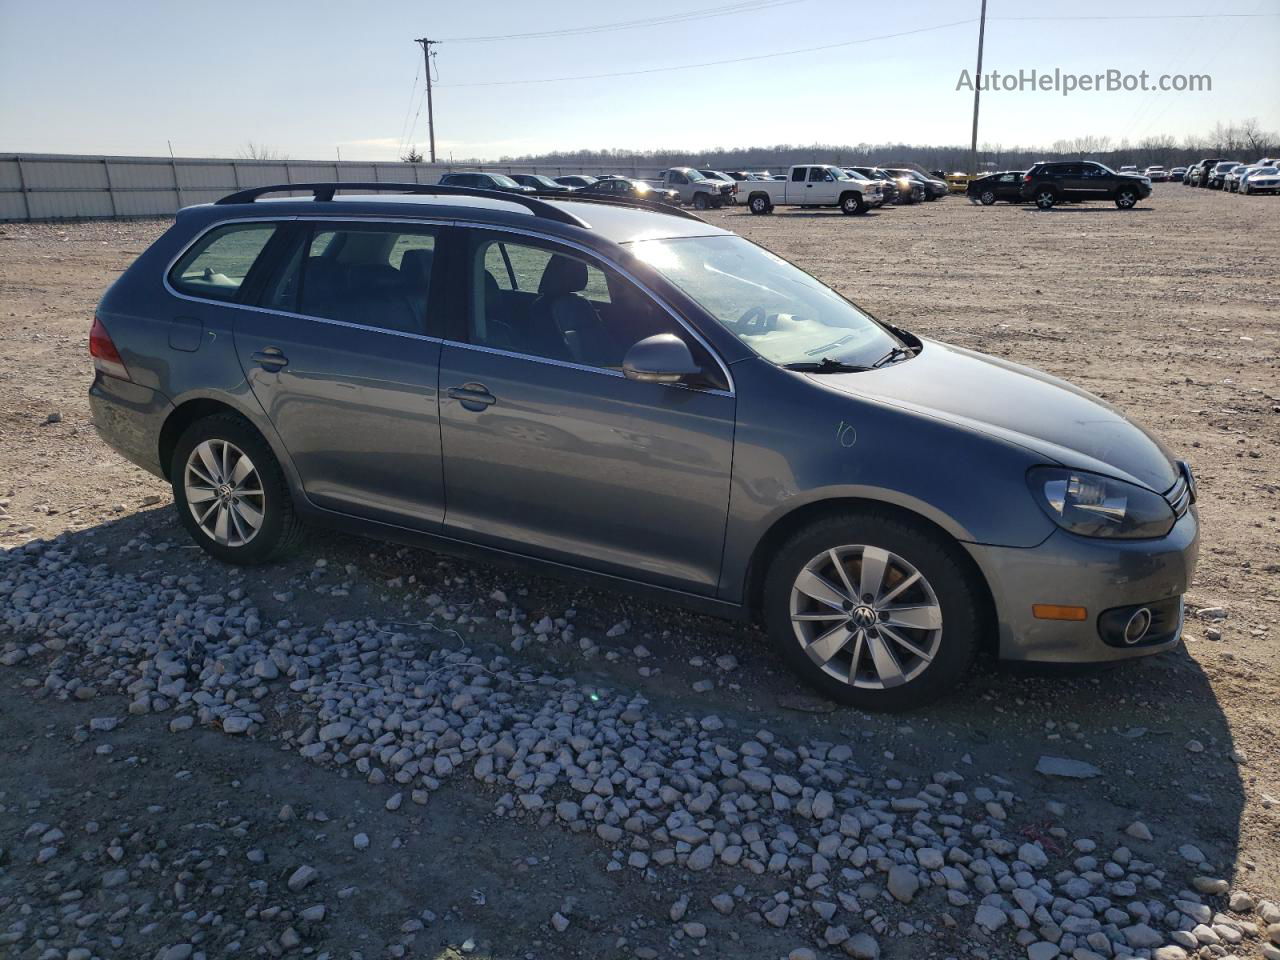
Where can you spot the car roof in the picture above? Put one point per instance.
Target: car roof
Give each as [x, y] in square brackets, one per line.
[614, 222]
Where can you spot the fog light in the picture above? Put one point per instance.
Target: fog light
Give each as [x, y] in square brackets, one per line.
[1137, 626]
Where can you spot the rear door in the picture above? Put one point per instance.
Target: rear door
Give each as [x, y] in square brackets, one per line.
[337, 353]
[550, 451]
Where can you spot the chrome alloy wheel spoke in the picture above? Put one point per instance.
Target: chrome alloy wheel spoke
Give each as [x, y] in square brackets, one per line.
[224, 493]
[866, 616]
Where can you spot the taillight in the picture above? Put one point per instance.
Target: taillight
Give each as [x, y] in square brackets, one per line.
[106, 357]
[1026, 178]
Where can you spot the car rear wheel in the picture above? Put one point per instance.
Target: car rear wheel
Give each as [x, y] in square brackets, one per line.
[230, 492]
[1045, 199]
[987, 198]
[873, 611]
[1126, 198]
[759, 204]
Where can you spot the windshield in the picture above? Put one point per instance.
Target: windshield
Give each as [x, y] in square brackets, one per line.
[776, 309]
[503, 181]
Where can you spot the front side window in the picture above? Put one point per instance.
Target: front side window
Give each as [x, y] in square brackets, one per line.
[678, 177]
[371, 275]
[775, 308]
[216, 266]
[546, 302]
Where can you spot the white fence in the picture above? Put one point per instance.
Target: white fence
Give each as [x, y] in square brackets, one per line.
[64, 186]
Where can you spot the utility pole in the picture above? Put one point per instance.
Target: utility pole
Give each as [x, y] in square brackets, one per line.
[431, 120]
[977, 90]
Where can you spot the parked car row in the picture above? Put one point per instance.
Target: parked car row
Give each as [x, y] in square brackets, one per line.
[678, 185]
[852, 189]
[1233, 176]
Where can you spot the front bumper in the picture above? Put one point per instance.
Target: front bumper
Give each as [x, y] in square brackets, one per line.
[1100, 575]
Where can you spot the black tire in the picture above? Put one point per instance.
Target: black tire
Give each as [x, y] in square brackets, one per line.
[987, 198]
[700, 201]
[1046, 198]
[281, 530]
[1126, 198]
[954, 584]
[759, 204]
[852, 203]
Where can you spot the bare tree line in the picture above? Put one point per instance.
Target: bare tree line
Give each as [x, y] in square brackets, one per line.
[1243, 141]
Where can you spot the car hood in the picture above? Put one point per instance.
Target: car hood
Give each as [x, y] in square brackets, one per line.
[1049, 416]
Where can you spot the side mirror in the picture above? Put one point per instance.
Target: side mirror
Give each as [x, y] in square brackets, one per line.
[662, 358]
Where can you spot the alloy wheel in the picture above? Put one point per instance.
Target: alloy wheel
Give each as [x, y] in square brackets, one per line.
[867, 617]
[224, 493]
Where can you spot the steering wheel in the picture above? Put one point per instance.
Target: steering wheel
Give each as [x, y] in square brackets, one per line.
[754, 320]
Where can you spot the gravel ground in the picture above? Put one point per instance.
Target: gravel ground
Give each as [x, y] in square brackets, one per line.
[372, 751]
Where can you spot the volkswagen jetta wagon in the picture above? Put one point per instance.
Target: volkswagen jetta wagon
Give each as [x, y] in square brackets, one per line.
[623, 391]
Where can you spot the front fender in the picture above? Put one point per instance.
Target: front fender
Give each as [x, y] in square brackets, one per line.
[798, 445]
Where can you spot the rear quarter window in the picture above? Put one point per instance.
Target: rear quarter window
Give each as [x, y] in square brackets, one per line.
[215, 267]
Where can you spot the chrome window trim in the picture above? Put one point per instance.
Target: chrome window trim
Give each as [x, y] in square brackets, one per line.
[493, 227]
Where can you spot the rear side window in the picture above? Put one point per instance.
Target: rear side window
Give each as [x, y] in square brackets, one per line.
[216, 265]
[798, 174]
[373, 276]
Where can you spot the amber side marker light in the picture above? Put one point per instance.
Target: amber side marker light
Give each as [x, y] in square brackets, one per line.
[1054, 611]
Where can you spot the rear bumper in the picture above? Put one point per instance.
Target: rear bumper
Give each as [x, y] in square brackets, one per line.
[1108, 578]
[129, 417]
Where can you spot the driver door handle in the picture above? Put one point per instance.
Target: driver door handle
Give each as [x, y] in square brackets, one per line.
[473, 396]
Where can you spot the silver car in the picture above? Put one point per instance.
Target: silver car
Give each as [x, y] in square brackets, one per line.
[625, 393]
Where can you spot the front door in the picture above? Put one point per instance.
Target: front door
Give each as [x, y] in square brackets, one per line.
[338, 357]
[823, 188]
[550, 451]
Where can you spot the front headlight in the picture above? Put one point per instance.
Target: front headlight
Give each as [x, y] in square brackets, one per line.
[1092, 505]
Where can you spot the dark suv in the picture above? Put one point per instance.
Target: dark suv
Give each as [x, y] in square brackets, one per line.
[622, 391]
[1075, 180]
[485, 181]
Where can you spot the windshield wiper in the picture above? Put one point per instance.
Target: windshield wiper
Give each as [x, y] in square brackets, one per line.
[825, 365]
[894, 354]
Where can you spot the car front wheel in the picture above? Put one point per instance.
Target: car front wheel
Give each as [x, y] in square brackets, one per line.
[873, 611]
[1126, 198]
[230, 492]
[851, 203]
[699, 201]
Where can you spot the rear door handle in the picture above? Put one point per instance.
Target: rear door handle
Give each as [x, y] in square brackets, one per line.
[473, 396]
[272, 358]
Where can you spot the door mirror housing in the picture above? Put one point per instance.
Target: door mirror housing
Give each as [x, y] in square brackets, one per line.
[662, 358]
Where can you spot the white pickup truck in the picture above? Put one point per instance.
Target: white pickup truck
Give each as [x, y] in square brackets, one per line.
[810, 185]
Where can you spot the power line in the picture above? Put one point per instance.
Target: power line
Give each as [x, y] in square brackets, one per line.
[743, 6]
[404, 126]
[831, 46]
[716, 63]
[1144, 16]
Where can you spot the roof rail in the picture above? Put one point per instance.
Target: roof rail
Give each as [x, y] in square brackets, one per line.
[655, 206]
[325, 192]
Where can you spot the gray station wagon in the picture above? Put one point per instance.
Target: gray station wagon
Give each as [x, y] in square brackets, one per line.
[622, 391]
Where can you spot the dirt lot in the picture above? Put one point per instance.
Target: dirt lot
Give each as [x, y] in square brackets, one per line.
[134, 824]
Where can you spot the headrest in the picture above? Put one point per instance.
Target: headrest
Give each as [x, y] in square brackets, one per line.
[416, 264]
[562, 275]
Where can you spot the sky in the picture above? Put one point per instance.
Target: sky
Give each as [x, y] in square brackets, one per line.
[315, 79]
